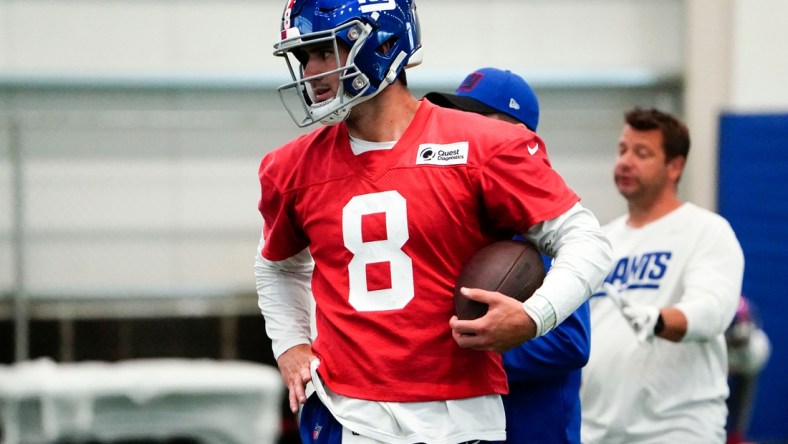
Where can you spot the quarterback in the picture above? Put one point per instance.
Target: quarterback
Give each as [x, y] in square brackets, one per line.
[373, 215]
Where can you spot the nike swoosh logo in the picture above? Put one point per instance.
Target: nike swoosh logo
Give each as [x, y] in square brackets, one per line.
[532, 150]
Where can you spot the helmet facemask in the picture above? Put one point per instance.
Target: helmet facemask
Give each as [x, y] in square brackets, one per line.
[298, 97]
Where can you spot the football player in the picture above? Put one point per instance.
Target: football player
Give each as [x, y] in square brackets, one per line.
[374, 214]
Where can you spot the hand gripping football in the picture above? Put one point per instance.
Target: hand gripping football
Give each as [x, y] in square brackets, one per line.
[510, 267]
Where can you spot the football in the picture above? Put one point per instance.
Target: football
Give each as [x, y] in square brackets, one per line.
[511, 267]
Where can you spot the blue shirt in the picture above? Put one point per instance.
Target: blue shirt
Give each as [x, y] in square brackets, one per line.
[543, 404]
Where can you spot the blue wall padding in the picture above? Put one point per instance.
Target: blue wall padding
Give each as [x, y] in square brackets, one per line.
[753, 196]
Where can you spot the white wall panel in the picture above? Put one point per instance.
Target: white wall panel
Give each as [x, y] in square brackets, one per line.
[129, 37]
[760, 56]
[5, 36]
[82, 37]
[235, 37]
[575, 35]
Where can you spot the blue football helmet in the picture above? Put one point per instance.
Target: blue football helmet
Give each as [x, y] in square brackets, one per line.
[364, 26]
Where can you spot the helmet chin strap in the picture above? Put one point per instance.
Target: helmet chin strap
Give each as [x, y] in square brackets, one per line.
[331, 118]
[336, 117]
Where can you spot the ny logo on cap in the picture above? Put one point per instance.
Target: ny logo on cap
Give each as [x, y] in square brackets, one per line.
[470, 82]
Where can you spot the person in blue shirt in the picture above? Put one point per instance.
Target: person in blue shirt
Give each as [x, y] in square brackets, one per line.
[543, 404]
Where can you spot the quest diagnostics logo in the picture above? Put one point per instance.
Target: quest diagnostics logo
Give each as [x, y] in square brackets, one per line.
[449, 154]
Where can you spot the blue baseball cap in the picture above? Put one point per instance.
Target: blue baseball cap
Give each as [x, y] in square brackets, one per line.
[492, 90]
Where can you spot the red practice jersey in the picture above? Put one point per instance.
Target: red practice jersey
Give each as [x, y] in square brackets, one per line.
[389, 231]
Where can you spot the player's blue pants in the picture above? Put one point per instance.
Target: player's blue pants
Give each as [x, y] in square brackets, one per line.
[318, 425]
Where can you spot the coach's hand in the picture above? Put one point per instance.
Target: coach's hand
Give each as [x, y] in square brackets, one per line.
[504, 326]
[294, 367]
[642, 318]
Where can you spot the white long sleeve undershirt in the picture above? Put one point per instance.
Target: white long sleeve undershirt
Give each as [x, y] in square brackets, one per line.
[284, 295]
[582, 257]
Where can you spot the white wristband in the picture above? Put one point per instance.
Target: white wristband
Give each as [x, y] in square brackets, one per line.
[542, 312]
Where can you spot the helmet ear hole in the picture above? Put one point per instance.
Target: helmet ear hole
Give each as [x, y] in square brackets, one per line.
[384, 48]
